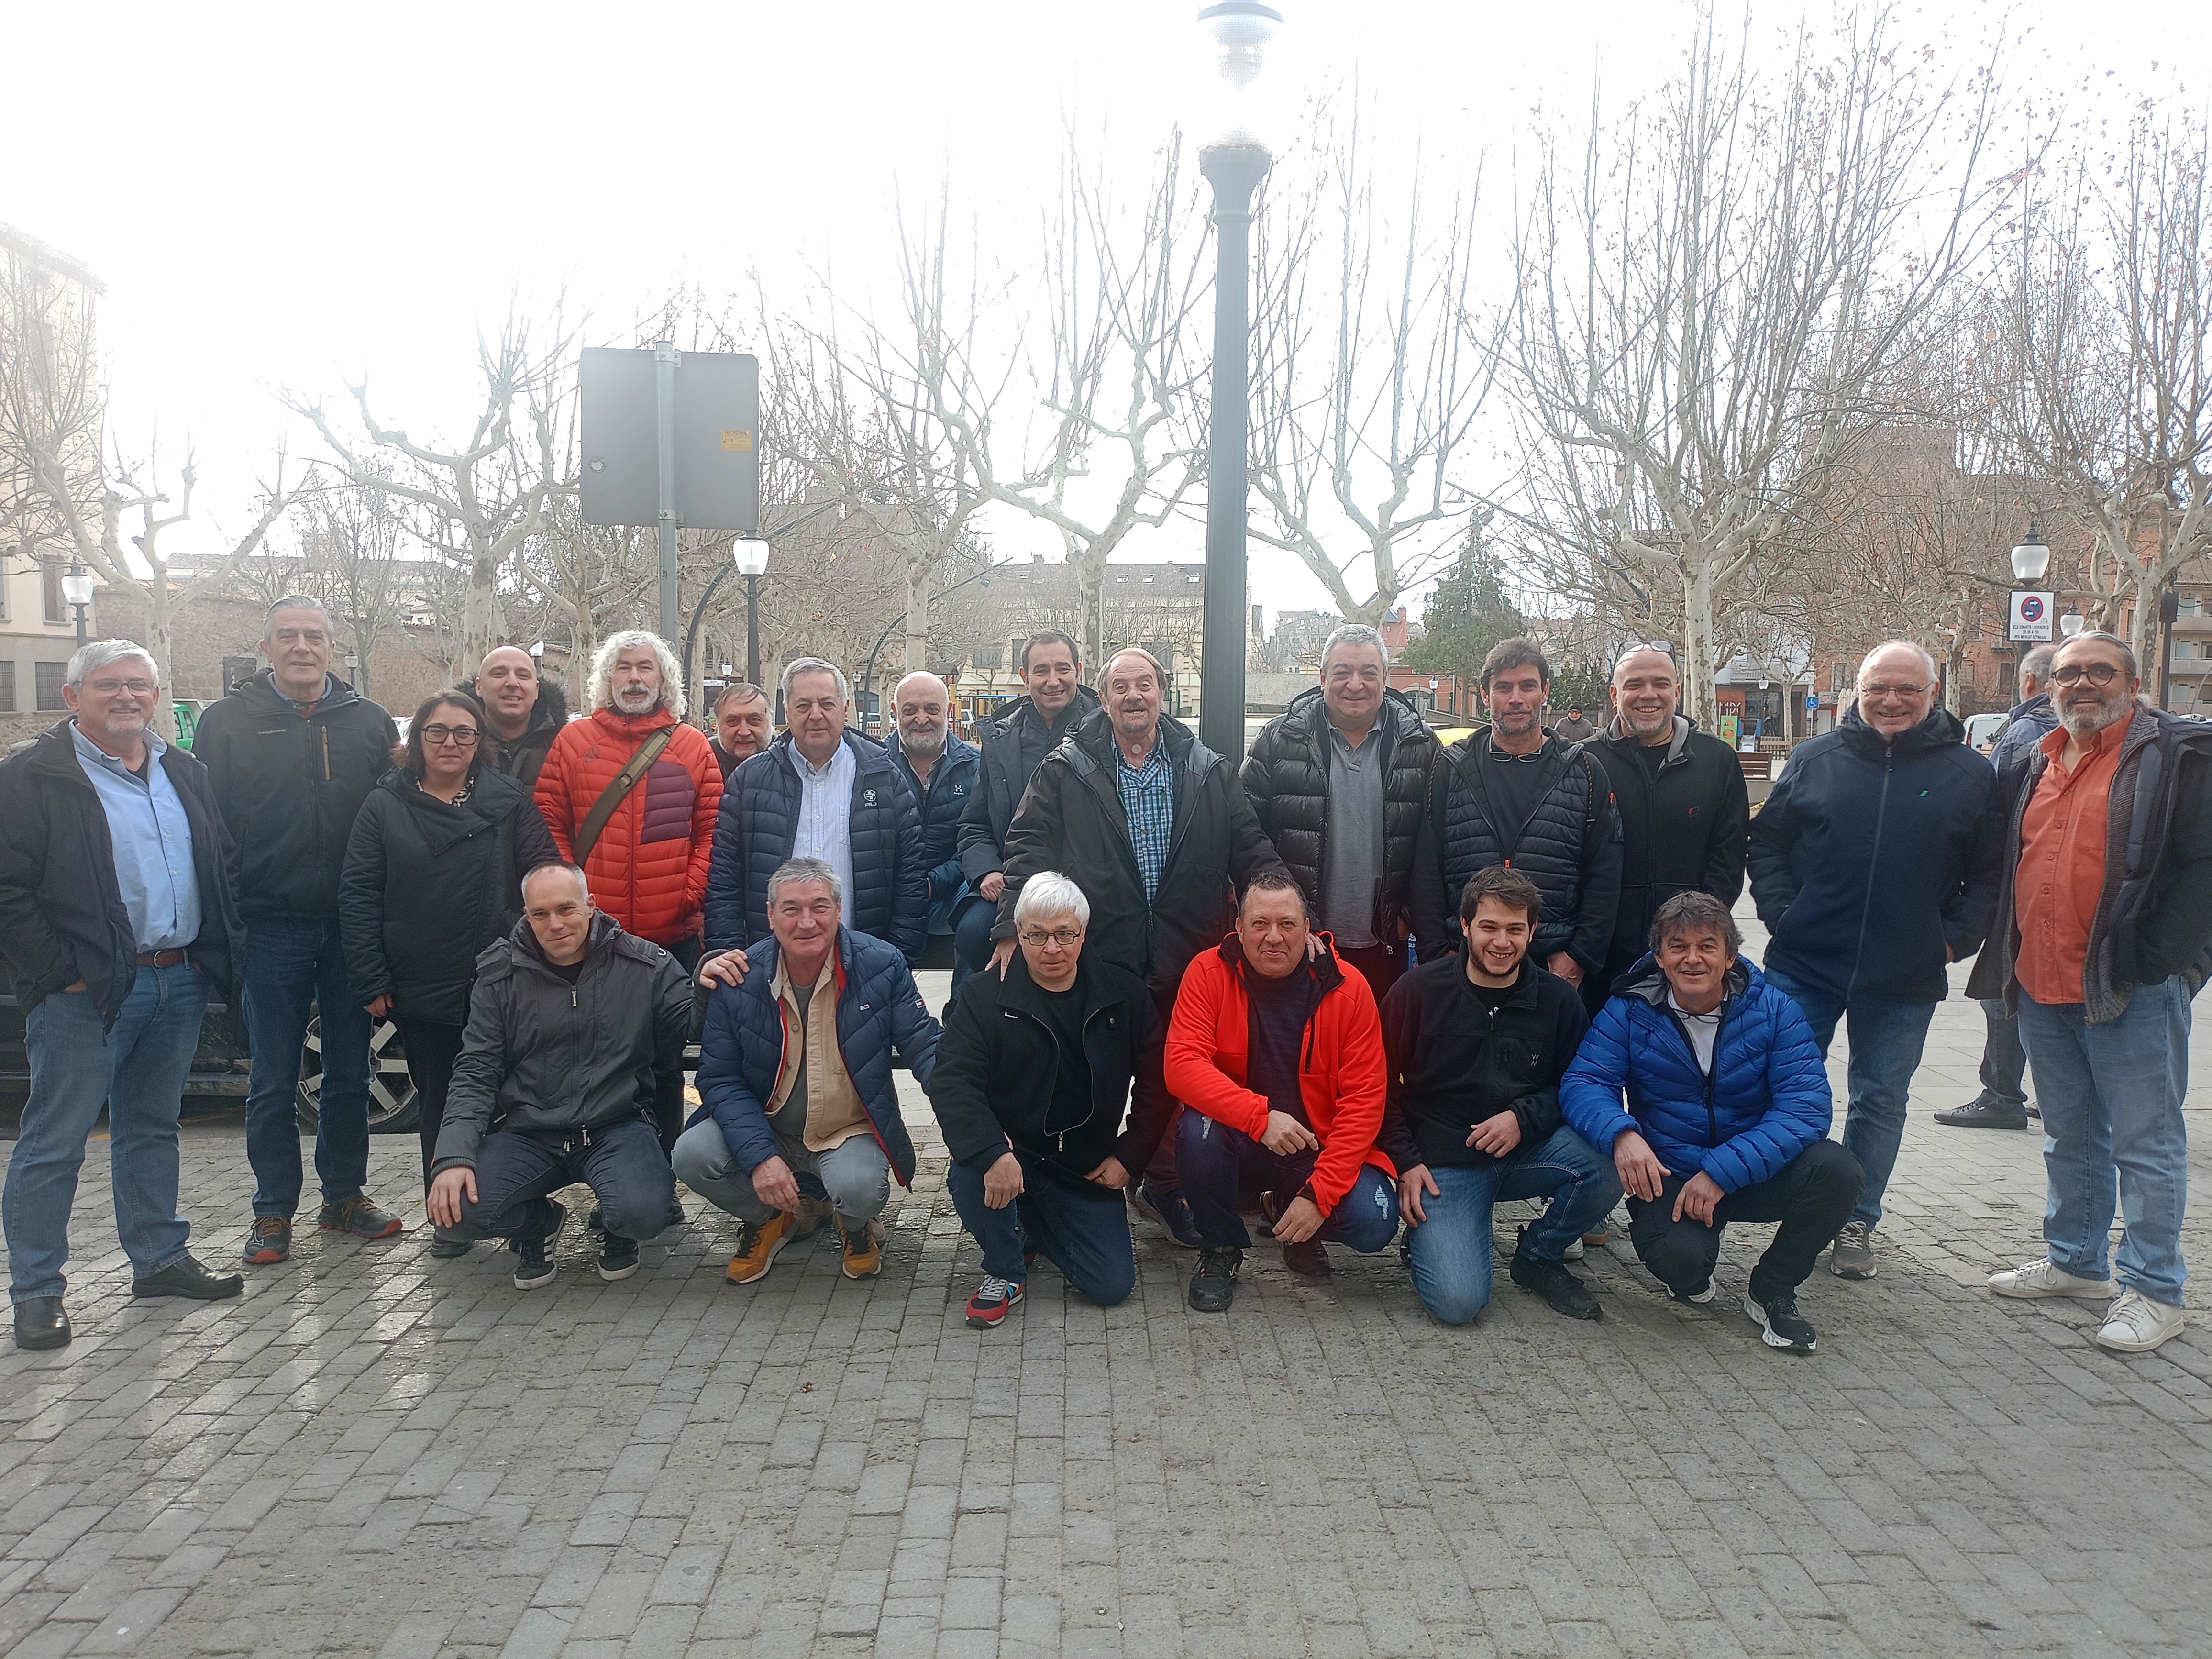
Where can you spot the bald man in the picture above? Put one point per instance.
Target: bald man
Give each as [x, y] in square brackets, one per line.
[1875, 864]
[526, 713]
[941, 770]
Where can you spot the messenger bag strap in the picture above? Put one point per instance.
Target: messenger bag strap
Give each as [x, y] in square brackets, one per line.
[611, 796]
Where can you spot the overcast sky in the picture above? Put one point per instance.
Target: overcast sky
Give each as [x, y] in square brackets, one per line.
[287, 196]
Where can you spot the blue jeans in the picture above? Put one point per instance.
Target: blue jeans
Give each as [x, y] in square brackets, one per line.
[1082, 1229]
[293, 968]
[1886, 1037]
[1214, 1160]
[2004, 1061]
[517, 1169]
[1450, 1251]
[2111, 1097]
[140, 1063]
[853, 1176]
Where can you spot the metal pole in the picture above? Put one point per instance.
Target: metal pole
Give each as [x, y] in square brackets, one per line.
[664, 389]
[753, 629]
[1235, 172]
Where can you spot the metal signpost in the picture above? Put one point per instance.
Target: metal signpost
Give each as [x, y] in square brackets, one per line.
[670, 438]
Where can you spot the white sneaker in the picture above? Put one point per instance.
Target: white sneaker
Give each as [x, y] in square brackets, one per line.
[2041, 1278]
[1574, 1252]
[2136, 1324]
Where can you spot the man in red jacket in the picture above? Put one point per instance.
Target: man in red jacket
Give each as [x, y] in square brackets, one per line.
[1277, 1048]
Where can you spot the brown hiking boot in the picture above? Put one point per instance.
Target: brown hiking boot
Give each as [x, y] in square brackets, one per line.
[757, 1246]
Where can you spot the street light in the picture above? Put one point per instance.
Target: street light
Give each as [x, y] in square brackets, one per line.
[1233, 156]
[77, 589]
[2071, 624]
[749, 554]
[2031, 557]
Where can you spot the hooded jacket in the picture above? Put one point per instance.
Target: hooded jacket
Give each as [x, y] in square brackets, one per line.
[289, 786]
[2025, 727]
[1286, 778]
[524, 758]
[1012, 743]
[61, 915]
[998, 1061]
[1766, 1100]
[430, 884]
[1873, 854]
[1342, 1075]
[943, 802]
[2153, 916]
[759, 825]
[878, 1008]
[547, 1057]
[1681, 831]
[1071, 820]
[649, 868]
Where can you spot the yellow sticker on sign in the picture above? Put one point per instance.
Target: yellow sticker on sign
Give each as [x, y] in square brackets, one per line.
[736, 437]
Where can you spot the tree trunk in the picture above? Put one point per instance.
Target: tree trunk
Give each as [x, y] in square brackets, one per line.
[160, 639]
[2143, 634]
[917, 619]
[1698, 667]
[1090, 589]
[480, 613]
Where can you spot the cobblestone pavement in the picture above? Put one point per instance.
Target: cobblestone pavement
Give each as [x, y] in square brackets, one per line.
[374, 1454]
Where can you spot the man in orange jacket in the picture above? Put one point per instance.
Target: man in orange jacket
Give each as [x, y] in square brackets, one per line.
[1277, 1048]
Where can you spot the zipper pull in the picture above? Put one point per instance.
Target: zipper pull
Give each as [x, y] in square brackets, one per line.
[573, 1003]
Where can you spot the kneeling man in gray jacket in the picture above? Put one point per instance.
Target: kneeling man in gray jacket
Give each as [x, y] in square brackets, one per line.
[574, 1027]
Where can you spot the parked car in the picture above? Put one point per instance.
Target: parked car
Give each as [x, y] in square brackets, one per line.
[1982, 730]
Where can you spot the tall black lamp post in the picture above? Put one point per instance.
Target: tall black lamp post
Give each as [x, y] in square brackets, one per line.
[750, 558]
[1234, 161]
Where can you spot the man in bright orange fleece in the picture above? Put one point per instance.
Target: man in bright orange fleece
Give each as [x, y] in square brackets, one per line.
[1277, 1048]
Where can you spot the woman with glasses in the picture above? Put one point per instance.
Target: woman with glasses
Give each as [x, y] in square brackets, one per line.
[433, 874]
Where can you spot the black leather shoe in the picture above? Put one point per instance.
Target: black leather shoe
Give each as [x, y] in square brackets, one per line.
[41, 1321]
[185, 1277]
[1984, 1113]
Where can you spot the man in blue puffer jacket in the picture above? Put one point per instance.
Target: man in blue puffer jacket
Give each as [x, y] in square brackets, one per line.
[1726, 1116]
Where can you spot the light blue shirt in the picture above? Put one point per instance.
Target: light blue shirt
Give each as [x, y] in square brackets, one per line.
[825, 814]
[153, 842]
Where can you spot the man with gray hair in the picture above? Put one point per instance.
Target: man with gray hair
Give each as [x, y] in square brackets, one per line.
[1339, 780]
[1874, 865]
[291, 755]
[941, 769]
[101, 820]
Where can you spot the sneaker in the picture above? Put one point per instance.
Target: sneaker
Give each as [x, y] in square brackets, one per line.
[1780, 1324]
[1853, 1256]
[1983, 1113]
[1575, 1251]
[444, 1247]
[864, 1248]
[758, 1245]
[1701, 1295]
[533, 1252]
[359, 1216]
[269, 1240]
[2043, 1279]
[617, 1257]
[1214, 1286]
[993, 1300]
[2136, 1324]
[1168, 1206]
[185, 1277]
[1562, 1291]
[1600, 1238]
[1308, 1260]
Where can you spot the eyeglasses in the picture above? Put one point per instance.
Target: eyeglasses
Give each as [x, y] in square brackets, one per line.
[2097, 673]
[109, 688]
[1040, 937]
[1879, 690]
[461, 737]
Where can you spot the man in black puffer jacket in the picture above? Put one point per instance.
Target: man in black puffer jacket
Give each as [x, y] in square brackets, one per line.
[1339, 782]
[1511, 795]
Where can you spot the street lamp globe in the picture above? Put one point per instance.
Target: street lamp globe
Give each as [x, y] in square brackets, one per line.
[750, 555]
[2072, 623]
[1237, 33]
[76, 586]
[2031, 557]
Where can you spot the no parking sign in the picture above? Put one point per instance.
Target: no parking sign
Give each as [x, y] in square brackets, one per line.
[2031, 616]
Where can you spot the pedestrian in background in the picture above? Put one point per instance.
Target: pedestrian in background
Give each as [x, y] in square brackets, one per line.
[940, 768]
[742, 722]
[523, 714]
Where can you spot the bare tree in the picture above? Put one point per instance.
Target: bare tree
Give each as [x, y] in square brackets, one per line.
[351, 540]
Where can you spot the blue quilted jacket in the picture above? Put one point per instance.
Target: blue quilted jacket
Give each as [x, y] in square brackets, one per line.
[1766, 1101]
[741, 1050]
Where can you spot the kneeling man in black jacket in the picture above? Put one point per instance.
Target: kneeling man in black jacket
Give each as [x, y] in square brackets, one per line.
[1032, 1075]
[574, 1028]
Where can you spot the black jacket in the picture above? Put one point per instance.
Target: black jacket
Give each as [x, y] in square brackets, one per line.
[2154, 919]
[1680, 832]
[290, 786]
[62, 918]
[1286, 778]
[1071, 820]
[1455, 1063]
[1873, 854]
[546, 1056]
[428, 886]
[523, 759]
[1012, 745]
[999, 1059]
[1569, 846]
[944, 803]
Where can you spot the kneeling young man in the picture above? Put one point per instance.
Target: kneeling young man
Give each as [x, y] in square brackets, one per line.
[1728, 1115]
[1477, 1043]
[575, 1029]
[795, 1075]
[1278, 1050]
[1031, 1078]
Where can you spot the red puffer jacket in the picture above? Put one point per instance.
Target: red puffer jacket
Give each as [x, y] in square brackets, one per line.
[649, 868]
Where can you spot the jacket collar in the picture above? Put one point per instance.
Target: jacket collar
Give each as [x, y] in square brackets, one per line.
[261, 689]
[1308, 714]
[1941, 730]
[766, 965]
[956, 749]
[1093, 737]
[1645, 983]
[1020, 990]
[868, 754]
[1324, 971]
[605, 934]
[1024, 712]
[2038, 704]
[1628, 743]
[613, 720]
[1523, 991]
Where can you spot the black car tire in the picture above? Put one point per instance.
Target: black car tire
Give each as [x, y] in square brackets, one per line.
[393, 1107]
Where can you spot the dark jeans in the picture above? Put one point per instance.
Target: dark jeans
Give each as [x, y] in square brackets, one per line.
[971, 941]
[432, 1048]
[294, 969]
[2004, 1060]
[1215, 1159]
[1079, 1227]
[517, 1169]
[1811, 1197]
[1381, 965]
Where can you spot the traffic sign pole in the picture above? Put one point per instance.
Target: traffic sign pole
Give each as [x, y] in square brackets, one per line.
[664, 398]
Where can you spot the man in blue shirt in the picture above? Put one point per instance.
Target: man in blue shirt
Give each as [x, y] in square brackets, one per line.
[100, 815]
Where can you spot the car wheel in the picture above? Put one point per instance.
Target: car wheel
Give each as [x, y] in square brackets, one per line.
[393, 1105]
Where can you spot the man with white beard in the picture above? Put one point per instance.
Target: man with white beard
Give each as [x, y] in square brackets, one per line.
[940, 768]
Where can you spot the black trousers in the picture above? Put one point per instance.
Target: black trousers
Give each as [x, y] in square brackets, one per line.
[1381, 965]
[517, 1170]
[1811, 1196]
[432, 1048]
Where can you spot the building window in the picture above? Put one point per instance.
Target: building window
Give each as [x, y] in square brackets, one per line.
[990, 657]
[7, 688]
[2190, 606]
[50, 595]
[49, 680]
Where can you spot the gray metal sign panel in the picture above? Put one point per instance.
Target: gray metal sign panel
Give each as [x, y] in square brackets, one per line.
[717, 439]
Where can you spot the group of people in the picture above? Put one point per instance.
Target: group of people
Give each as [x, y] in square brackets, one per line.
[1364, 986]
